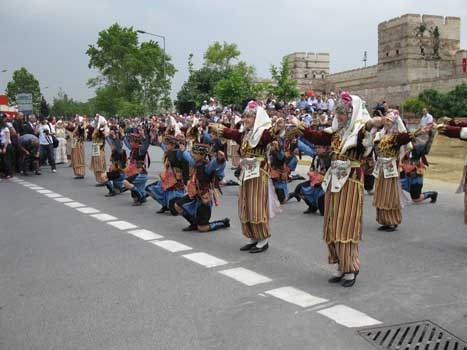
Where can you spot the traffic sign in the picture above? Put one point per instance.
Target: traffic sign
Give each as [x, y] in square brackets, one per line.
[24, 102]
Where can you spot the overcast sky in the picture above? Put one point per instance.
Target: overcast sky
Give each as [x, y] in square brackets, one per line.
[50, 37]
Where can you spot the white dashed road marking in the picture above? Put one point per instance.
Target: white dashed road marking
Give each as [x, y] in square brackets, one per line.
[205, 259]
[145, 235]
[171, 246]
[245, 276]
[75, 204]
[296, 296]
[104, 217]
[348, 317]
[87, 210]
[53, 195]
[63, 199]
[341, 314]
[122, 225]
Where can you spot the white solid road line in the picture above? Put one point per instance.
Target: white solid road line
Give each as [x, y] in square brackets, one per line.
[245, 276]
[36, 188]
[104, 217]
[75, 204]
[348, 317]
[205, 259]
[53, 195]
[145, 235]
[63, 199]
[122, 225]
[296, 296]
[87, 210]
[171, 246]
[44, 191]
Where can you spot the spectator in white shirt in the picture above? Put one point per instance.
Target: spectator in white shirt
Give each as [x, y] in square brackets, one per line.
[5, 148]
[427, 119]
[46, 130]
[331, 103]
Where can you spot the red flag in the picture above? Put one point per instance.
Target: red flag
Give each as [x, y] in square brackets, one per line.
[464, 65]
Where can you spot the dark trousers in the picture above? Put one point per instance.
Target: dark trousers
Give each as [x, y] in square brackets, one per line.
[29, 162]
[47, 152]
[5, 161]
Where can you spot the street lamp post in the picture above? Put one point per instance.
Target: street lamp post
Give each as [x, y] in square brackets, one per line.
[163, 42]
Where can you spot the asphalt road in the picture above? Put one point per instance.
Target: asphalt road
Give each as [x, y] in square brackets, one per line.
[69, 280]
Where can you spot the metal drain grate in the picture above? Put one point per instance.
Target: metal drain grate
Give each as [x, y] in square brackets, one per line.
[423, 335]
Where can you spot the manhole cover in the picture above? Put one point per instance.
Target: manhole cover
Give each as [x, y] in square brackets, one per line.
[423, 335]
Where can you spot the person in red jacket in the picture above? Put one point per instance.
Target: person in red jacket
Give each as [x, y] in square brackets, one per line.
[457, 129]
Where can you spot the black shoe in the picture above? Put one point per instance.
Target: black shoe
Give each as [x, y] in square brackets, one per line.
[111, 194]
[383, 228]
[137, 204]
[24, 173]
[38, 172]
[294, 195]
[255, 249]
[336, 279]
[232, 183]
[162, 210]
[100, 185]
[391, 228]
[79, 177]
[349, 283]
[248, 247]
[226, 222]
[434, 197]
[310, 210]
[190, 228]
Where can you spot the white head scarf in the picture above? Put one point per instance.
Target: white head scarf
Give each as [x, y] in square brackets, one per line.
[262, 123]
[398, 127]
[358, 120]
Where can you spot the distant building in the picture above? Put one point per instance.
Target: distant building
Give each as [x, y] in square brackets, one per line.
[415, 52]
[308, 67]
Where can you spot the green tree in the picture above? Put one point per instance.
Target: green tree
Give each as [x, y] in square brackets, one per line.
[128, 109]
[218, 56]
[413, 105]
[64, 106]
[237, 86]
[286, 88]
[24, 82]
[137, 73]
[106, 101]
[434, 101]
[455, 103]
[217, 77]
[199, 87]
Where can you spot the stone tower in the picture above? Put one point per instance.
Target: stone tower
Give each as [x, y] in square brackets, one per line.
[414, 47]
[306, 67]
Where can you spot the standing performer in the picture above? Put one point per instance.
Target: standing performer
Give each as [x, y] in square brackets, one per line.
[171, 185]
[77, 148]
[457, 129]
[256, 191]
[196, 205]
[98, 156]
[387, 188]
[350, 141]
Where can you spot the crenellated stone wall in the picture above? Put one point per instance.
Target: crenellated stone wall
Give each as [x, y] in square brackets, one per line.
[415, 52]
